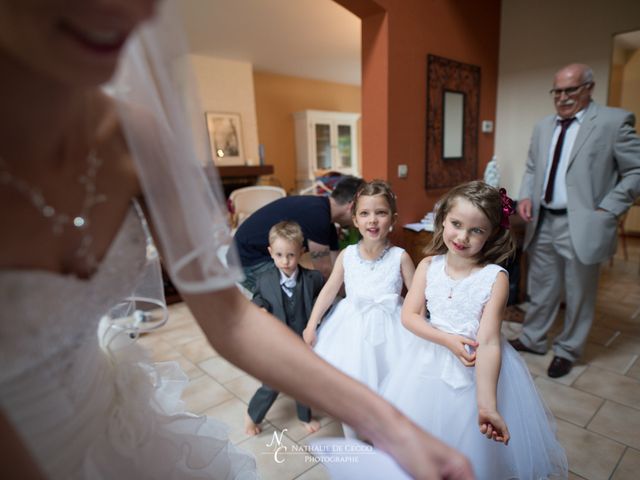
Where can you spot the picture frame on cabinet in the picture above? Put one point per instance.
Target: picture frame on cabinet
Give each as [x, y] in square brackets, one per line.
[225, 138]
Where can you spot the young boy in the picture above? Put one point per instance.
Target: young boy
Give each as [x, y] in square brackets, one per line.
[288, 291]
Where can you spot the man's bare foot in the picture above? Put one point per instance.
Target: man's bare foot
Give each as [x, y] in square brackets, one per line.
[251, 428]
[312, 426]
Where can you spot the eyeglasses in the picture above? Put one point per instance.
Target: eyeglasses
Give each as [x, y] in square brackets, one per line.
[569, 91]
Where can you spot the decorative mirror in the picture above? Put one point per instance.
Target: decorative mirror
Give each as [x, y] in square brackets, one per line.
[453, 101]
[452, 125]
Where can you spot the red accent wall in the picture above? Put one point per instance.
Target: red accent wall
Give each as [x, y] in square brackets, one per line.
[397, 35]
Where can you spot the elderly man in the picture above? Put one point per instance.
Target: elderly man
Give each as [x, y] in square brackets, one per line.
[582, 173]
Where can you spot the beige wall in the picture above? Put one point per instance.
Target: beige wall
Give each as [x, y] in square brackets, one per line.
[630, 95]
[277, 97]
[536, 39]
[227, 86]
[630, 100]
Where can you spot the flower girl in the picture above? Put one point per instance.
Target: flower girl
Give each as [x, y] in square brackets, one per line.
[459, 379]
[362, 335]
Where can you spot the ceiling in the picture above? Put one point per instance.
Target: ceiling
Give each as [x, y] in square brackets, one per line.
[316, 39]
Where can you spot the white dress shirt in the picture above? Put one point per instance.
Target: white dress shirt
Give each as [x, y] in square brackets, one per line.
[560, 191]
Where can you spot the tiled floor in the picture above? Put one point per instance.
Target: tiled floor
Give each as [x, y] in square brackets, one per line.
[597, 406]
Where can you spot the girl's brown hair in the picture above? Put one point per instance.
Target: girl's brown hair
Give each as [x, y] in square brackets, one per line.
[500, 245]
[372, 189]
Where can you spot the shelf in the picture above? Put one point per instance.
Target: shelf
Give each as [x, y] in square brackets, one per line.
[245, 171]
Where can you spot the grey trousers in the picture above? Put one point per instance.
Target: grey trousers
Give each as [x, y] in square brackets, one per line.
[554, 268]
[263, 399]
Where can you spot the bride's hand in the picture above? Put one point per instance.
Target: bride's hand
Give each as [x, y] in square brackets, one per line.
[426, 458]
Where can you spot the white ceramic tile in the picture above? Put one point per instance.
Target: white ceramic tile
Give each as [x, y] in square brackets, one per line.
[204, 393]
[232, 413]
[627, 343]
[590, 455]
[568, 403]
[619, 423]
[221, 370]
[319, 472]
[610, 385]
[538, 365]
[197, 350]
[629, 467]
[610, 358]
[243, 387]
[634, 371]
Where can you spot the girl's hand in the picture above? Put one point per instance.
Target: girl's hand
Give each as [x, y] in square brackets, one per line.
[493, 426]
[463, 348]
[309, 336]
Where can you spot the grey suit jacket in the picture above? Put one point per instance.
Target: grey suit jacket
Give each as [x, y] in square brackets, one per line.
[268, 294]
[603, 172]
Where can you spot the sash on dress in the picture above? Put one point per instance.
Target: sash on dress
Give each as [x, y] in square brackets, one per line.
[376, 312]
[452, 371]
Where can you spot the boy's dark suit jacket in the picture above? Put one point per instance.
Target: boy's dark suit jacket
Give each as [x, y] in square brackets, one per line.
[269, 293]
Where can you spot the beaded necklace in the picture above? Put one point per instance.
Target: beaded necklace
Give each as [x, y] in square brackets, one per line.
[60, 220]
[372, 263]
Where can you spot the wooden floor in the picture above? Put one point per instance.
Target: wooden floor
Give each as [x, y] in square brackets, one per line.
[597, 406]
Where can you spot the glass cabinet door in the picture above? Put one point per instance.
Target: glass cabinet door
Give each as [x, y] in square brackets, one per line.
[344, 146]
[323, 145]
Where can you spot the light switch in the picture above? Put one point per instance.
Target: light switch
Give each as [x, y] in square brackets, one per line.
[487, 126]
[403, 170]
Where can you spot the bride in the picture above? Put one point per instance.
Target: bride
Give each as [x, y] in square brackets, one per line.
[75, 166]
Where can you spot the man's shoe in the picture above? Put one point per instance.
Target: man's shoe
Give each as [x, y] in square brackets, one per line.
[521, 347]
[559, 367]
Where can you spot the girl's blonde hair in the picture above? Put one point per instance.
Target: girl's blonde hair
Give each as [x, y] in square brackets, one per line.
[500, 246]
[372, 189]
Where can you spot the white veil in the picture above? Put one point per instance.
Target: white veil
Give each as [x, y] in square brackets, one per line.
[164, 129]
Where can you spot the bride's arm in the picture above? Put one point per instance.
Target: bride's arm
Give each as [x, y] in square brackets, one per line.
[19, 463]
[280, 358]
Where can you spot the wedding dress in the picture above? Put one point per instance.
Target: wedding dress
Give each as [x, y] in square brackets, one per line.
[83, 395]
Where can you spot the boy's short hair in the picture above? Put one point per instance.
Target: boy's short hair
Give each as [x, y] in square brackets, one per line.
[287, 230]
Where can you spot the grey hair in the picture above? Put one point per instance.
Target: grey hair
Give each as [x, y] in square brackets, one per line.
[587, 75]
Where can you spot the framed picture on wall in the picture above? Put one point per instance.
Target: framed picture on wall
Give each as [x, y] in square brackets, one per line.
[225, 138]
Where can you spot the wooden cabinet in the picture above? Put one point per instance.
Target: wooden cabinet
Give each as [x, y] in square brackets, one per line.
[325, 141]
[415, 243]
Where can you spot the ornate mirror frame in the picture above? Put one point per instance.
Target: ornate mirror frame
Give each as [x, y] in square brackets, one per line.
[446, 77]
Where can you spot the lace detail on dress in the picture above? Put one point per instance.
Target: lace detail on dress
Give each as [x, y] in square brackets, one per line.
[462, 312]
[46, 314]
[86, 400]
[360, 279]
